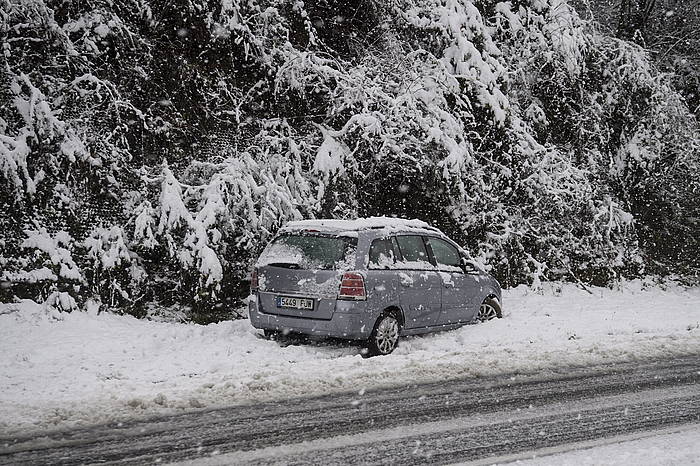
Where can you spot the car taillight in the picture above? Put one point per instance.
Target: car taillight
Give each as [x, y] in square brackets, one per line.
[352, 286]
[254, 280]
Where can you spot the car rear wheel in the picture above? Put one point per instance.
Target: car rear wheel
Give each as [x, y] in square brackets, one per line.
[489, 309]
[385, 336]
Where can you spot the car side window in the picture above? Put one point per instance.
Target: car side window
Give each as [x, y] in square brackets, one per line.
[415, 256]
[446, 255]
[381, 254]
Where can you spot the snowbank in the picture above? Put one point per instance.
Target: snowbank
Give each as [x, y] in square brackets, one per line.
[61, 369]
[673, 446]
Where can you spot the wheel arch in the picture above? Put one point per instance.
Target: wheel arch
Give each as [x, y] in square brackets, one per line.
[492, 294]
[394, 309]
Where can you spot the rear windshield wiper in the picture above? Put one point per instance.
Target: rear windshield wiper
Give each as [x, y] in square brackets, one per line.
[286, 265]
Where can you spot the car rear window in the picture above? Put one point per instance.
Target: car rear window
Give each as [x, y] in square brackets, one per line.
[310, 251]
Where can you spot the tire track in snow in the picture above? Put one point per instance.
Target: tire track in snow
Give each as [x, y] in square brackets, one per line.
[243, 433]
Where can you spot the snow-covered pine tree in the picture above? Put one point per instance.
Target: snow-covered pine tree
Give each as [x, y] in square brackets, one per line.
[172, 145]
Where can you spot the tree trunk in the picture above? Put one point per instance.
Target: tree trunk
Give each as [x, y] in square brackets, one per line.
[634, 16]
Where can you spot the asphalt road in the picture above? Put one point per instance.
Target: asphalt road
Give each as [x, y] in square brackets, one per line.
[442, 422]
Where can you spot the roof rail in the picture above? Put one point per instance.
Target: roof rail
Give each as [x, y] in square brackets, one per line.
[370, 223]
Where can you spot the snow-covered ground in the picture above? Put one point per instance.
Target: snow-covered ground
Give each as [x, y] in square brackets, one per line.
[677, 446]
[61, 369]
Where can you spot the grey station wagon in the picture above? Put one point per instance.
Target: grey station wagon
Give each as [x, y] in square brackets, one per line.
[370, 279]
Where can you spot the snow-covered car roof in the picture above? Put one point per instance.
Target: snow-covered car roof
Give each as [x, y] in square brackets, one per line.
[359, 224]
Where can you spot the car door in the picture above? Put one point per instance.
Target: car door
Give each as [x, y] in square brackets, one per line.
[419, 283]
[381, 280]
[460, 290]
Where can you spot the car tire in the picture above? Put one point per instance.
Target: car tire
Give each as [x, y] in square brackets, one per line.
[272, 334]
[385, 335]
[489, 309]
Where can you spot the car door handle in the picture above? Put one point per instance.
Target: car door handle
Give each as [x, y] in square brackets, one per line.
[446, 279]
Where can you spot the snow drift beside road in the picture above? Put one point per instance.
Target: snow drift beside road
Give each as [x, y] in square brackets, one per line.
[62, 369]
[671, 446]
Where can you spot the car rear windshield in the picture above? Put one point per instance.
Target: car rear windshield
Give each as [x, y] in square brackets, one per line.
[310, 251]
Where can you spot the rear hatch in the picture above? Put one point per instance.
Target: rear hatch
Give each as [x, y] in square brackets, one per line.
[299, 273]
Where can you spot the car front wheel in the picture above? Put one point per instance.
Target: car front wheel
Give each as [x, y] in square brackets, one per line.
[489, 309]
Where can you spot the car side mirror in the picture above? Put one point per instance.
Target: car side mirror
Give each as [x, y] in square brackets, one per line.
[469, 267]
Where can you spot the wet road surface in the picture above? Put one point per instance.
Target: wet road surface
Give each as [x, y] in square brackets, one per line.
[443, 422]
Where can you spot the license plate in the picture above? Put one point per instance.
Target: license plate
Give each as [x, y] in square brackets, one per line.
[295, 303]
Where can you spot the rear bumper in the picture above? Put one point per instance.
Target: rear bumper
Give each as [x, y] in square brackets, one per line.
[349, 321]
